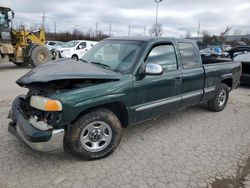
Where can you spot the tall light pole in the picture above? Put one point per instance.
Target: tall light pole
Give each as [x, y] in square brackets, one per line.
[156, 17]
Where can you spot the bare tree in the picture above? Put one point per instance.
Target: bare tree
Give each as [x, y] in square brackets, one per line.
[224, 33]
[156, 30]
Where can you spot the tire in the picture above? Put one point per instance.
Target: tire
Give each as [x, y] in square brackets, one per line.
[95, 135]
[75, 57]
[219, 102]
[40, 55]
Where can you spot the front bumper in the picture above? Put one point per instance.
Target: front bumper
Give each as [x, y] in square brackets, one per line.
[44, 141]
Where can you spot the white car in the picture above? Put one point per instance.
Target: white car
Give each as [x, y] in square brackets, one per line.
[75, 49]
[53, 44]
[208, 52]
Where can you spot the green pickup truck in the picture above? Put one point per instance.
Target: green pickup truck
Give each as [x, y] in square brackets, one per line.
[83, 105]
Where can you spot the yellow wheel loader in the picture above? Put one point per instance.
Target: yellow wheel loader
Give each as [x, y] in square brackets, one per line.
[20, 46]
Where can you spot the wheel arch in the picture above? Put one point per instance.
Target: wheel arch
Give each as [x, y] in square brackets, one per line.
[118, 108]
[228, 82]
[75, 55]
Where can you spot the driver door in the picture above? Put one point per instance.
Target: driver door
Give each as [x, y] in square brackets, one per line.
[158, 94]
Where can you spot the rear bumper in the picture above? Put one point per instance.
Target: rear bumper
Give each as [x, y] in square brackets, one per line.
[44, 141]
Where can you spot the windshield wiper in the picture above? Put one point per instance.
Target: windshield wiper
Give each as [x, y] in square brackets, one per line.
[102, 64]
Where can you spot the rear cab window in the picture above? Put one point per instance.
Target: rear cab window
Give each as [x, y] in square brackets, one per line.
[188, 55]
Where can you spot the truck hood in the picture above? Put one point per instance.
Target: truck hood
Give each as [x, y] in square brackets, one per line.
[66, 69]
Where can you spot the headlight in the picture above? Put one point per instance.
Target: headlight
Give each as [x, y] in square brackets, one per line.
[45, 104]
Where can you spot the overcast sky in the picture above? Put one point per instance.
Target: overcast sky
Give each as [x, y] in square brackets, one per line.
[176, 16]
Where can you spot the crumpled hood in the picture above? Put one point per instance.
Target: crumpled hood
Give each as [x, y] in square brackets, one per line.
[64, 69]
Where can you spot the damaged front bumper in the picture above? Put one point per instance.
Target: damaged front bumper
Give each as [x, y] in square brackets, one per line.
[40, 140]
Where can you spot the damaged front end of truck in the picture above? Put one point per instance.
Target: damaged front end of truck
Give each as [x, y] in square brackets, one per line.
[37, 116]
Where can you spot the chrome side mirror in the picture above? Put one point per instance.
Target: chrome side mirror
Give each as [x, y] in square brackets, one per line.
[153, 69]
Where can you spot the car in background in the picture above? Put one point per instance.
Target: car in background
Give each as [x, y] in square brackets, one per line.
[75, 49]
[242, 54]
[216, 52]
[53, 44]
[209, 52]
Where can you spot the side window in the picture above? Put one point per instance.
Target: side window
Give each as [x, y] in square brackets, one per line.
[188, 55]
[82, 45]
[163, 55]
[52, 43]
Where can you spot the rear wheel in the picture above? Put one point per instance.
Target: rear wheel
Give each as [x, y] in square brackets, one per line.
[40, 55]
[75, 57]
[219, 102]
[95, 135]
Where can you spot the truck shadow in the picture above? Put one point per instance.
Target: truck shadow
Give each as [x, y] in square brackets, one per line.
[245, 86]
[11, 66]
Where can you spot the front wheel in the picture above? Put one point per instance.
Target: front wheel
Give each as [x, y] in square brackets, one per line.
[40, 55]
[95, 135]
[219, 102]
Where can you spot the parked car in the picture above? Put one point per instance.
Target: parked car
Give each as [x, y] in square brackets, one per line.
[213, 52]
[75, 49]
[209, 52]
[242, 54]
[53, 44]
[120, 82]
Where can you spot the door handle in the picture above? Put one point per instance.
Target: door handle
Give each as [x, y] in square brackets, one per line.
[178, 80]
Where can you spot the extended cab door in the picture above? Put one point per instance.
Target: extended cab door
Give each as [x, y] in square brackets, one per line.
[192, 74]
[158, 94]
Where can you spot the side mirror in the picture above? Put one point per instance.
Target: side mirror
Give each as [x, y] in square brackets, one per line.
[80, 47]
[153, 69]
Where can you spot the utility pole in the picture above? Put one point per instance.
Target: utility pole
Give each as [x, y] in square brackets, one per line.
[43, 20]
[96, 29]
[199, 26]
[76, 30]
[55, 27]
[129, 30]
[110, 30]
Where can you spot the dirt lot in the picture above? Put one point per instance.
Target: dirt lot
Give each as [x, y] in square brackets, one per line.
[192, 148]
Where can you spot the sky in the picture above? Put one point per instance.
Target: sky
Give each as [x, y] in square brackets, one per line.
[121, 16]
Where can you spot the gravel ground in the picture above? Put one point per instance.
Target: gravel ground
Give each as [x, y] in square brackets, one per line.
[191, 148]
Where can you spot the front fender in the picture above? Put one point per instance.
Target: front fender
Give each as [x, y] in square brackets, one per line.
[70, 113]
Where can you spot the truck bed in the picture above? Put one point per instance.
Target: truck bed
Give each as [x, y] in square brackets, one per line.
[212, 60]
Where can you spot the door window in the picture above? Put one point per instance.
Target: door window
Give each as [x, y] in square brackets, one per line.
[82, 45]
[163, 55]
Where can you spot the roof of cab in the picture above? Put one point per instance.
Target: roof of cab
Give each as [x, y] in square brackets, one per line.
[149, 39]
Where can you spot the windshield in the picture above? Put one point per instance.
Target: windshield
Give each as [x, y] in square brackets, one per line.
[117, 55]
[70, 44]
[3, 19]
